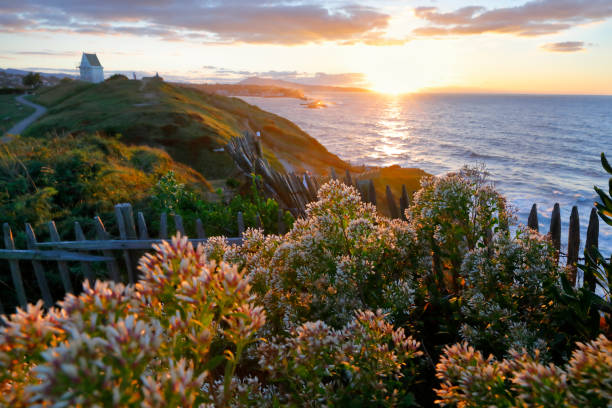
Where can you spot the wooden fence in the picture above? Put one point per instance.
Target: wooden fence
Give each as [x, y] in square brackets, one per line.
[116, 257]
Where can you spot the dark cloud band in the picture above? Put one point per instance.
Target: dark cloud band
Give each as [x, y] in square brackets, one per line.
[534, 18]
[227, 21]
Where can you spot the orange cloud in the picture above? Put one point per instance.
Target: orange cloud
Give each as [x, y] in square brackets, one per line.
[227, 21]
[534, 18]
[566, 46]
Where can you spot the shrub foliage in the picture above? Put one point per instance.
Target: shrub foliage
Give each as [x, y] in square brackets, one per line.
[348, 308]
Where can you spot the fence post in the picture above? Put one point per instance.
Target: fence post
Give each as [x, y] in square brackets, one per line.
[9, 243]
[393, 211]
[555, 229]
[85, 267]
[200, 229]
[532, 221]
[61, 265]
[240, 220]
[348, 180]
[590, 248]
[573, 244]
[39, 271]
[124, 235]
[143, 232]
[404, 202]
[333, 174]
[128, 219]
[371, 193]
[113, 268]
[163, 226]
[282, 228]
[178, 224]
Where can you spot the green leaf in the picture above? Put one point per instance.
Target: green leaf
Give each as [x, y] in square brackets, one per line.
[605, 164]
[606, 200]
[214, 363]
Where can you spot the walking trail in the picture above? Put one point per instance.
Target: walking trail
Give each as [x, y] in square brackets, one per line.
[21, 126]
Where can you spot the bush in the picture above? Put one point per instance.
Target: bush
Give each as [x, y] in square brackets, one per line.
[296, 327]
[470, 380]
[116, 77]
[177, 337]
[32, 80]
[219, 217]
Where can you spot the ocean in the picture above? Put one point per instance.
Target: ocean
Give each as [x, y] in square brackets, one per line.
[538, 149]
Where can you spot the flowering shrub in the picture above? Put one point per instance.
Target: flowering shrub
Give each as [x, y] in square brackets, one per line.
[177, 338]
[287, 320]
[454, 214]
[470, 380]
[505, 297]
[341, 258]
[361, 363]
[154, 344]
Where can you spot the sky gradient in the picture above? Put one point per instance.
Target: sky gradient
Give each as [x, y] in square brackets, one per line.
[538, 46]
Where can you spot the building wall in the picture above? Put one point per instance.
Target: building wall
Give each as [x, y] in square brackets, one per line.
[92, 74]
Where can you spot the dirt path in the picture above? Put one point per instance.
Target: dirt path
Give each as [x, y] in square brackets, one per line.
[21, 126]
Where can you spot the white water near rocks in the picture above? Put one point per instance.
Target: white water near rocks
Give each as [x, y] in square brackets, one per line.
[538, 149]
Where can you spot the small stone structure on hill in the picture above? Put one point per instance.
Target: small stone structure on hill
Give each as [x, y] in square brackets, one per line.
[91, 69]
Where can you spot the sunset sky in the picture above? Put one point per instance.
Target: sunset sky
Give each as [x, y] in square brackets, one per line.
[541, 46]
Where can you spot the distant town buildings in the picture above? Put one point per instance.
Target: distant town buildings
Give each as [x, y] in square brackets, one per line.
[91, 69]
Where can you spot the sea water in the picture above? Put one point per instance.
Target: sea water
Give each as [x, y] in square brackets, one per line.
[538, 149]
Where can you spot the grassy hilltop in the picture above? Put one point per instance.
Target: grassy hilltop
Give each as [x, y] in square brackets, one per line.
[192, 126]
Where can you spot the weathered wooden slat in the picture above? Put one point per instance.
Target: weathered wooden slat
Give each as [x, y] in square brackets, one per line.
[115, 244]
[49, 255]
[178, 224]
[555, 228]
[404, 202]
[240, 221]
[200, 229]
[532, 221]
[143, 232]
[112, 266]
[39, 271]
[9, 244]
[61, 265]
[371, 193]
[124, 235]
[128, 219]
[85, 267]
[592, 244]
[333, 174]
[348, 180]
[393, 210]
[163, 226]
[573, 244]
[282, 228]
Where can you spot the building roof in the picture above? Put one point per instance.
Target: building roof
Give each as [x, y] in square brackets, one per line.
[92, 59]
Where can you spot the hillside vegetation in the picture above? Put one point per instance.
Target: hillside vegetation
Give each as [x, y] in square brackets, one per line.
[11, 112]
[74, 178]
[192, 126]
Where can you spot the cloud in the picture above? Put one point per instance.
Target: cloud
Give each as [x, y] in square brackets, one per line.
[220, 22]
[48, 53]
[566, 46]
[534, 18]
[213, 73]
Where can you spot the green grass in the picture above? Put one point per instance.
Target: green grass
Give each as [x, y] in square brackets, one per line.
[192, 126]
[189, 124]
[11, 112]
